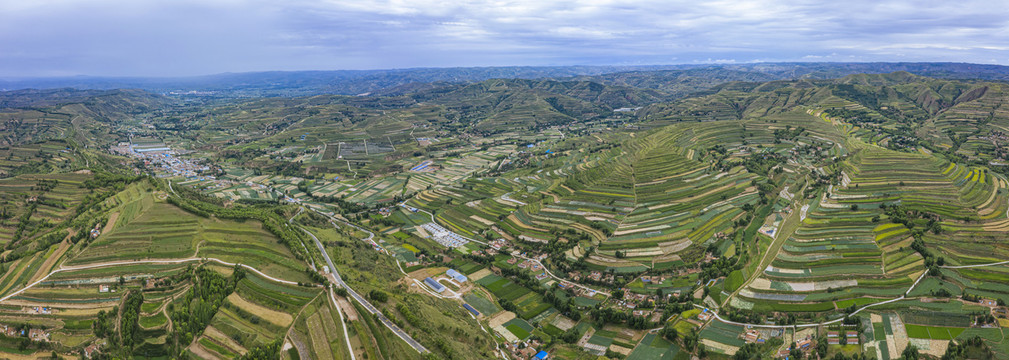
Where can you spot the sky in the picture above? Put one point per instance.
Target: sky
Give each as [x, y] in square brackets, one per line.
[196, 37]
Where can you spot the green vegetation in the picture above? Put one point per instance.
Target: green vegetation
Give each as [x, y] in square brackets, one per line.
[784, 202]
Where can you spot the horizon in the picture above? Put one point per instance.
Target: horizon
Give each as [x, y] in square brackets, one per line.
[699, 65]
[112, 38]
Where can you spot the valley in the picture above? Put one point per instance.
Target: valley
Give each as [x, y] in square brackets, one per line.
[618, 215]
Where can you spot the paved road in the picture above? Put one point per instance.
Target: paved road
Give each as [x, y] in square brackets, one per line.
[346, 335]
[974, 266]
[135, 262]
[772, 251]
[300, 210]
[505, 197]
[335, 278]
[311, 260]
[902, 297]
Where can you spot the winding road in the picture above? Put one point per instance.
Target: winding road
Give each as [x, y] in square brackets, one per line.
[974, 266]
[334, 277]
[136, 262]
[902, 297]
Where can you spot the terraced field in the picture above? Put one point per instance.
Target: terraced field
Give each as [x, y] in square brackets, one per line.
[257, 313]
[847, 247]
[150, 228]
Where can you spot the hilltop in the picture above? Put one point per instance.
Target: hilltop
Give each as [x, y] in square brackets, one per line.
[716, 212]
[677, 80]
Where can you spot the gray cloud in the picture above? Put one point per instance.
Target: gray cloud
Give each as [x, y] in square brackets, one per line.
[188, 37]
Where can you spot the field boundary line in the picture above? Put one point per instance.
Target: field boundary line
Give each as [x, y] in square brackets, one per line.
[137, 262]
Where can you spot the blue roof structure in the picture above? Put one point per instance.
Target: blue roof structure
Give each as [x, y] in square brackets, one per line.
[434, 285]
[541, 355]
[456, 275]
[471, 309]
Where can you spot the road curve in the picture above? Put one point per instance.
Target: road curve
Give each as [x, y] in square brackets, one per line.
[135, 262]
[902, 297]
[335, 278]
[974, 266]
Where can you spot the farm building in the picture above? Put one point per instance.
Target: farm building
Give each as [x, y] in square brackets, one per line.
[434, 284]
[542, 355]
[155, 149]
[456, 275]
[471, 309]
[91, 350]
[704, 316]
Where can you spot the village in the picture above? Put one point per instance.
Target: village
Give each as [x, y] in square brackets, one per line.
[163, 159]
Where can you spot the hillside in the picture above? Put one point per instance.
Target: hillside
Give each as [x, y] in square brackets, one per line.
[678, 80]
[449, 218]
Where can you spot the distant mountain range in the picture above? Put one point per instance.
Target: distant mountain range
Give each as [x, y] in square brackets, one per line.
[673, 80]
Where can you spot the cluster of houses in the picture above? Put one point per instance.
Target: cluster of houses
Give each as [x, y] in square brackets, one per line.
[804, 344]
[34, 334]
[104, 288]
[631, 300]
[38, 310]
[529, 265]
[93, 349]
[95, 232]
[578, 291]
[657, 279]
[595, 276]
[752, 336]
[526, 350]
[996, 311]
[484, 252]
[499, 244]
[164, 158]
[525, 264]
[704, 315]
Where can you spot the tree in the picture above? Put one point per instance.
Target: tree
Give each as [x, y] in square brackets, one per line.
[378, 295]
[795, 353]
[821, 347]
[341, 291]
[670, 333]
[910, 353]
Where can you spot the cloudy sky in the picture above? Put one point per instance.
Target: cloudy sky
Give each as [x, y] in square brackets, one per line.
[192, 37]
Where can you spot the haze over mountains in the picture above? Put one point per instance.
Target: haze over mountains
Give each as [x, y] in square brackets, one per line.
[673, 80]
[504, 179]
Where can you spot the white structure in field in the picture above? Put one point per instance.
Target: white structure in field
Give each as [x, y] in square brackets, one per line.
[443, 236]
